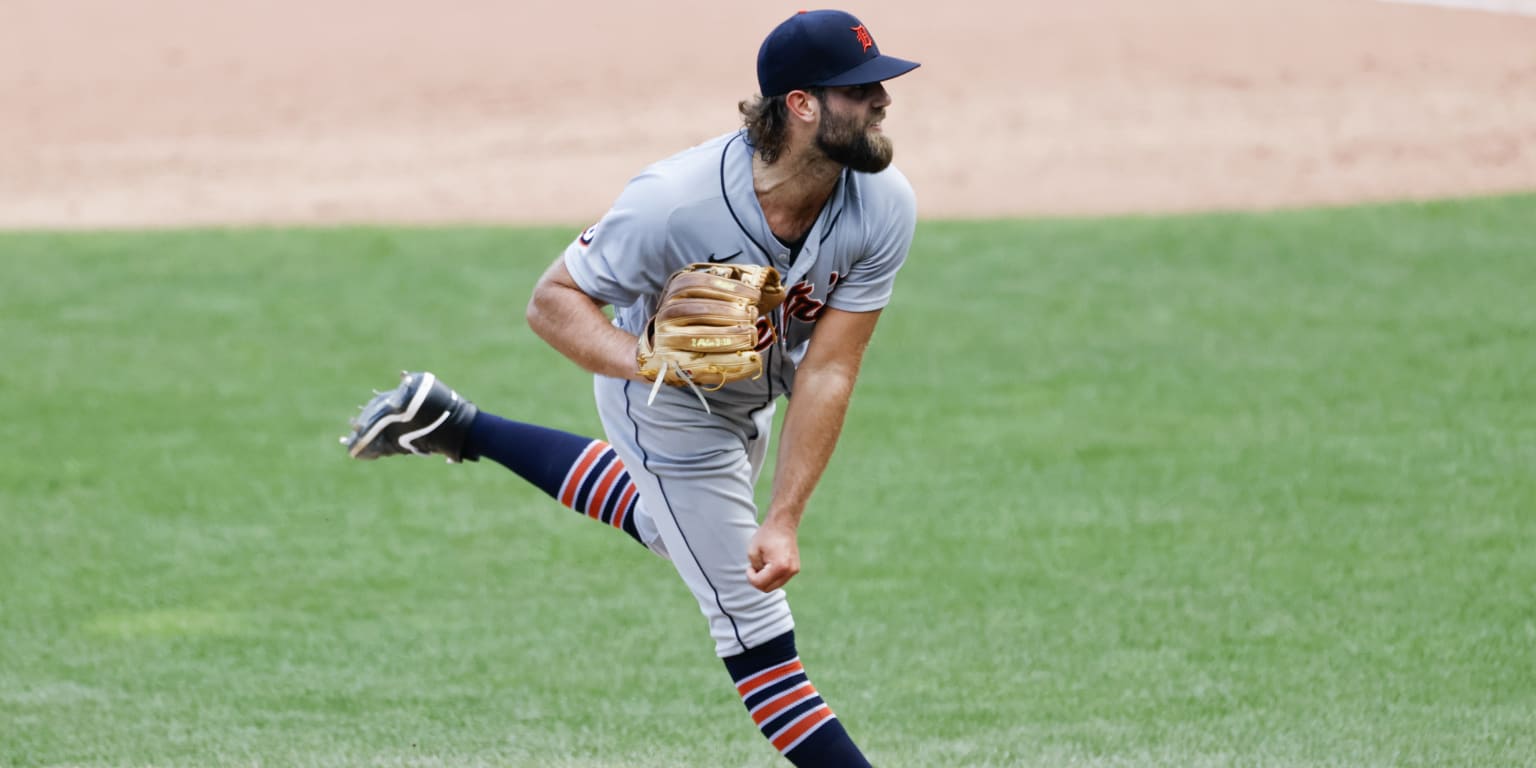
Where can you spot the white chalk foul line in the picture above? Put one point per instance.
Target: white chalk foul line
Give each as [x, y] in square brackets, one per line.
[1515, 7]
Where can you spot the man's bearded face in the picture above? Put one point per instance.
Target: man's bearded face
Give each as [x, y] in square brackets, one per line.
[846, 138]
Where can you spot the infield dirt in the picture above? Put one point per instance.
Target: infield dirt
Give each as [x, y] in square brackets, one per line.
[184, 112]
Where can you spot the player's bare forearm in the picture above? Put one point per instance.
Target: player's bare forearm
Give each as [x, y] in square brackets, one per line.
[812, 426]
[823, 386]
[574, 324]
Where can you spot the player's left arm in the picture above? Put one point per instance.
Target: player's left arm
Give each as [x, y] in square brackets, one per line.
[823, 386]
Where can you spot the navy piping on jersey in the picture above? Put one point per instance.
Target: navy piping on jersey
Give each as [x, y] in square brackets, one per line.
[781, 329]
[645, 461]
[772, 370]
[772, 350]
[726, 196]
[835, 217]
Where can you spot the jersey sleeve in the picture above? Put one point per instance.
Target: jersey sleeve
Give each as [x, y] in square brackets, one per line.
[624, 255]
[893, 218]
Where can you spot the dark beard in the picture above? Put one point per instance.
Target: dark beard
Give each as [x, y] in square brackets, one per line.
[845, 142]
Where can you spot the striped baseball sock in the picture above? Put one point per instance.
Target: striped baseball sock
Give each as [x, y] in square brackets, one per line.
[774, 687]
[579, 472]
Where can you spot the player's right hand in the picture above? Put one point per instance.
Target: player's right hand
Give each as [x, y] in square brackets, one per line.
[773, 557]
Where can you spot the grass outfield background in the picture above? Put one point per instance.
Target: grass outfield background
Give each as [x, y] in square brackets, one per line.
[1252, 490]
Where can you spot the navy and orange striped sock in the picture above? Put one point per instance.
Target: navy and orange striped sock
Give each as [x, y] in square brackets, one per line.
[781, 700]
[579, 472]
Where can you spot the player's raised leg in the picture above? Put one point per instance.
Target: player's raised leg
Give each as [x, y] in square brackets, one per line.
[423, 416]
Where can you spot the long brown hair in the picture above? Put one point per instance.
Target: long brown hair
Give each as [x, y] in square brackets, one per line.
[767, 122]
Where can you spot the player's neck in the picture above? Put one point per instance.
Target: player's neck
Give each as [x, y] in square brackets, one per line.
[793, 189]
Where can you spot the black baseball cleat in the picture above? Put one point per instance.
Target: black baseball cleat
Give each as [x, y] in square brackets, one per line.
[421, 416]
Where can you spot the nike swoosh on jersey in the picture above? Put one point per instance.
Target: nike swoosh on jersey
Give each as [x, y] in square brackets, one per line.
[714, 260]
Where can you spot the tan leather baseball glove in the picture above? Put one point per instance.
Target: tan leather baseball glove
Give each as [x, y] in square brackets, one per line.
[704, 332]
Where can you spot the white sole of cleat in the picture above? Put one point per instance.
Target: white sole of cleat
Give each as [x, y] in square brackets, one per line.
[427, 381]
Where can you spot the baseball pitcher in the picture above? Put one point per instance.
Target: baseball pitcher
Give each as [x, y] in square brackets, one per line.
[741, 271]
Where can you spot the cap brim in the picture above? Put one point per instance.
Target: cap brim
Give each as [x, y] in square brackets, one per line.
[880, 68]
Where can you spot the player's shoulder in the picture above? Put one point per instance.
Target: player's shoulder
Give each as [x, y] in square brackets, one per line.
[680, 174]
[679, 181]
[887, 190]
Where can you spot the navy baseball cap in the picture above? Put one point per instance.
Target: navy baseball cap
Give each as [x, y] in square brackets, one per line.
[823, 48]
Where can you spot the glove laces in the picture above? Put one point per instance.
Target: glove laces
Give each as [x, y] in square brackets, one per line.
[661, 378]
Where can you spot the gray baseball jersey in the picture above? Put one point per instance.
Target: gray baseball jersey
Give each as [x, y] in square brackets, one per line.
[695, 471]
[699, 205]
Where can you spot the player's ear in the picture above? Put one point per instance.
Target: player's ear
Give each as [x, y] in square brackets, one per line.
[802, 105]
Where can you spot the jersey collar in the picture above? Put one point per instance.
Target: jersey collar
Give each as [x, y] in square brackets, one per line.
[736, 188]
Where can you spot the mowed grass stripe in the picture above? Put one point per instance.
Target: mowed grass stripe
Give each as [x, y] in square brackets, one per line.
[1219, 490]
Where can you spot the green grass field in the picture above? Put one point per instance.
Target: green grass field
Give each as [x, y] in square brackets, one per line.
[1232, 490]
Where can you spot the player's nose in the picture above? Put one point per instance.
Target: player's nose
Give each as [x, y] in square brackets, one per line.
[882, 98]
